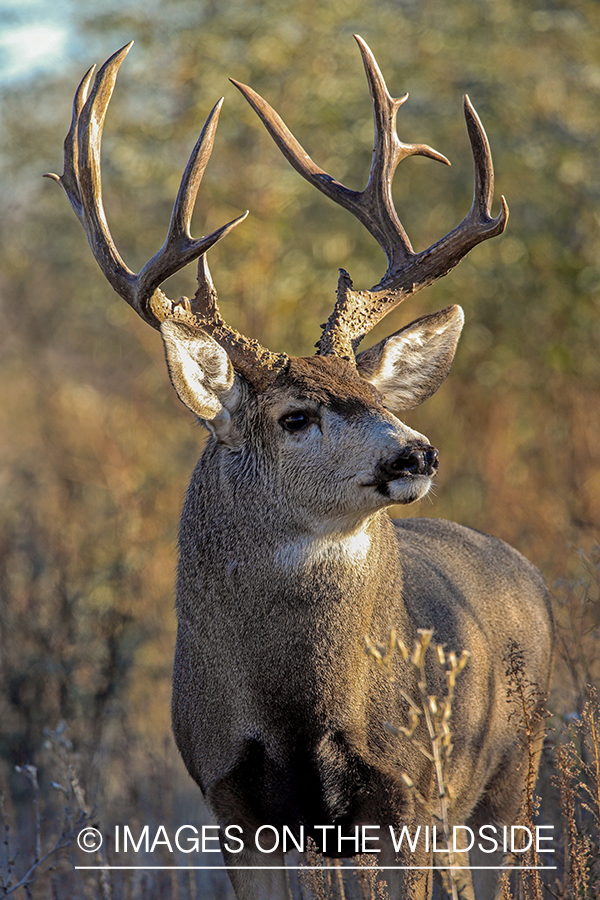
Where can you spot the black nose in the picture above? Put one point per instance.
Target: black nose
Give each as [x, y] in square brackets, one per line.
[422, 461]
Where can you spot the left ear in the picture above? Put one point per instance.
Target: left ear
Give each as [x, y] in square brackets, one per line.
[410, 365]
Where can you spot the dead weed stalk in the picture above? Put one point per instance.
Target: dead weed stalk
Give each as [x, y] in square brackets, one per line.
[49, 850]
[435, 712]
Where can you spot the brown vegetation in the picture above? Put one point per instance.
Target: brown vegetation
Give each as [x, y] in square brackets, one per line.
[96, 451]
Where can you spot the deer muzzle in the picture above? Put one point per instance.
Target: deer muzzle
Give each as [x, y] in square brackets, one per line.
[420, 461]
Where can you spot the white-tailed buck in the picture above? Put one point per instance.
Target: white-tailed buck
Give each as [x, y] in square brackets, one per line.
[288, 558]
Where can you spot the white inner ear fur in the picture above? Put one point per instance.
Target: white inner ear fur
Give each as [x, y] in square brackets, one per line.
[410, 365]
[202, 374]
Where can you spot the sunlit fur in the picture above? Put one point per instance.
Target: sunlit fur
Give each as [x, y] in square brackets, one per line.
[288, 560]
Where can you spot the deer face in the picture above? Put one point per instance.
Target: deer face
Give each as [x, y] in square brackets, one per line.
[325, 443]
[339, 454]
[325, 426]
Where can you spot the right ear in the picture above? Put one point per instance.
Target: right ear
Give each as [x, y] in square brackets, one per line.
[202, 375]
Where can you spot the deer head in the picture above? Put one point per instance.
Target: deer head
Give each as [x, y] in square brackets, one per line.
[228, 380]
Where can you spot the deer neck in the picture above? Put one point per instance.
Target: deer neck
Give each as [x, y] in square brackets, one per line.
[299, 602]
[249, 549]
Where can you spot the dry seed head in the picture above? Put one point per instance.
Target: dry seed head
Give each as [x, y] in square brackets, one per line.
[440, 654]
[433, 704]
[391, 641]
[371, 650]
[414, 718]
[414, 721]
[415, 793]
[58, 787]
[421, 645]
[464, 658]
[403, 649]
[425, 636]
[417, 655]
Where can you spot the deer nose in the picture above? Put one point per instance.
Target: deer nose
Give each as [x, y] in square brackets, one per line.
[422, 461]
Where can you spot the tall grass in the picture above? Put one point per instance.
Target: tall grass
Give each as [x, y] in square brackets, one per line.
[46, 803]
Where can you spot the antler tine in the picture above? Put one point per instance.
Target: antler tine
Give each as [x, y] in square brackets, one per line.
[82, 183]
[295, 153]
[388, 152]
[477, 226]
[180, 248]
[373, 206]
[356, 312]
[68, 180]
[483, 193]
[81, 178]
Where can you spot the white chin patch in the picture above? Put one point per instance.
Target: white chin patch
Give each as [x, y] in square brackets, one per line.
[408, 490]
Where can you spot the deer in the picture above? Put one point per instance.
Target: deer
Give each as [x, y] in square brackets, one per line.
[288, 557]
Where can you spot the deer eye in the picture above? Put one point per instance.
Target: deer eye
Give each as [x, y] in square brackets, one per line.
[295, 421]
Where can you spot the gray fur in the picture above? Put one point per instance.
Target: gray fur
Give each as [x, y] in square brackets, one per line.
[288, 559]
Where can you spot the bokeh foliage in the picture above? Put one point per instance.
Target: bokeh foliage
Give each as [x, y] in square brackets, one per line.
[95, 448]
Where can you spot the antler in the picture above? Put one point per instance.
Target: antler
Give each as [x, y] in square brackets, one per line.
[356, 312]
[81, 181]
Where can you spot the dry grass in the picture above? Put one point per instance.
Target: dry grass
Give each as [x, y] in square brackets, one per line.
[50, 848]
[577, 779]
[45, 802]
[37, 858]
[436, 712]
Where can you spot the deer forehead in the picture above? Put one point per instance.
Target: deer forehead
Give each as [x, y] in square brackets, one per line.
[323, 381]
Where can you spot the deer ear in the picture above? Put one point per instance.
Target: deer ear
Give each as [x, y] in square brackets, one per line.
[410, 365]
[202, 374]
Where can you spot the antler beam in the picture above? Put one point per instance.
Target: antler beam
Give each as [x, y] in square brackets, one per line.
[82, 184]
[356, 312]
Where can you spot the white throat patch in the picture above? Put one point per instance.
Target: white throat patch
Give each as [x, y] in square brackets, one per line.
[310, 551]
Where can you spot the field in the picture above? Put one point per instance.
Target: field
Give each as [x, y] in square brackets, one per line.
[96, 450]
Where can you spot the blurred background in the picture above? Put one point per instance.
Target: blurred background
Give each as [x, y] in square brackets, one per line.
[96, 450]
